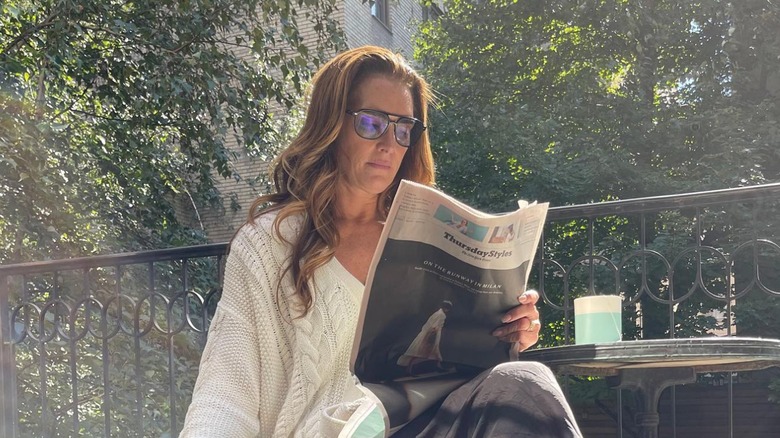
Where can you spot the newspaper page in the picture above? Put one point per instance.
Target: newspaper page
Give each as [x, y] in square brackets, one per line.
[442, 277]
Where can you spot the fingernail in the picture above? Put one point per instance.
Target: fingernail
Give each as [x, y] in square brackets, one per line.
[505, 318]
[522, 298]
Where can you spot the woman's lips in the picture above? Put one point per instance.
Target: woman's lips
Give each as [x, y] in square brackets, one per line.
[379, 164]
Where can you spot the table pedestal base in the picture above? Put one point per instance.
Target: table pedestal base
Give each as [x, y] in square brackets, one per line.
[648, 384]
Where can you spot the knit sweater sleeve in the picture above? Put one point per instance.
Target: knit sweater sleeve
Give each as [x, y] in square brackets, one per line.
[241, 380]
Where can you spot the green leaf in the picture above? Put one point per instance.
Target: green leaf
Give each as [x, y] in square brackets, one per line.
[12, 10]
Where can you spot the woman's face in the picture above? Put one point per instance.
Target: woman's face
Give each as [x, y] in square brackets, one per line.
[369, 166]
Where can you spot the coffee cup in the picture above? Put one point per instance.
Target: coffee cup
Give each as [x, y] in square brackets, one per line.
[597, 319]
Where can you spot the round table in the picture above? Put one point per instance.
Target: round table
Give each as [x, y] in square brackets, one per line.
[650, 366]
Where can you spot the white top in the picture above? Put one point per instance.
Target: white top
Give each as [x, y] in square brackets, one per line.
[436, 320]
[264, 373]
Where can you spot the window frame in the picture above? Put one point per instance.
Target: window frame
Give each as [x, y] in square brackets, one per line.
[432, 12]
[380, 10]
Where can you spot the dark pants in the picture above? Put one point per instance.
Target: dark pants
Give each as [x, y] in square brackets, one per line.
[513, 399]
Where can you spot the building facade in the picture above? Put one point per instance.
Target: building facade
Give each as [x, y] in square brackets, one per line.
[387, 23]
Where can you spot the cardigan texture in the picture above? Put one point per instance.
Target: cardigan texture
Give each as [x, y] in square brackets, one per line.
[266, 371]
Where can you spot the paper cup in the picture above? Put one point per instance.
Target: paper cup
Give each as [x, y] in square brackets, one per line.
[597, 319]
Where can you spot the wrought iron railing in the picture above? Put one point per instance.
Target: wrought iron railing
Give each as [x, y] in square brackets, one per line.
[697, 264]
[662, 250]
[104, 346]
[109, 346]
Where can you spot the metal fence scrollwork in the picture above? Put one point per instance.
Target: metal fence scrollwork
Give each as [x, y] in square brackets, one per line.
[109, 346]
[106, 346]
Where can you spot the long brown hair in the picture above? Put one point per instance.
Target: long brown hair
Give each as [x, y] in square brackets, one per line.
[305, 173]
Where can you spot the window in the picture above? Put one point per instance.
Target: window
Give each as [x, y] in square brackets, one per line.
[432, 12]
[380, 10]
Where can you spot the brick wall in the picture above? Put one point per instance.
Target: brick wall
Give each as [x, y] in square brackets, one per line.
[363, 28]
[221, 223]
[360, 28]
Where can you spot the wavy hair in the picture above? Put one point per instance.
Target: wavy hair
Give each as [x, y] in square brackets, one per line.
[305, 173]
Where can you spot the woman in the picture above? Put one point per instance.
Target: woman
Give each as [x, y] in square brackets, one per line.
[425, 346]
[277, 358]
[463, 226]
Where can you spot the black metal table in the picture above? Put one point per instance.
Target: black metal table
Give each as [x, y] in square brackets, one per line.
[650, 366]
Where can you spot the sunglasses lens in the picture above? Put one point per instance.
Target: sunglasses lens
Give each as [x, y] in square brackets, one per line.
[403, 131]
[370, 125]
[415, 133]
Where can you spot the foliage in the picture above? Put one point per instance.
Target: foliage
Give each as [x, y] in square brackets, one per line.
[115, 351]
[576, 101]
[113, 113]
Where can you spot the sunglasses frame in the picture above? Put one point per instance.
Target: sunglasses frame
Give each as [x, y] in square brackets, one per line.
[414, 136]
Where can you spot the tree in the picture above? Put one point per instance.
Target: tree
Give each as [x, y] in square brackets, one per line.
[580, 100]
[576, 101]
[112, 112]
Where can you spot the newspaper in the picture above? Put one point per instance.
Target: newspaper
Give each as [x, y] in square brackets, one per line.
[442, 277]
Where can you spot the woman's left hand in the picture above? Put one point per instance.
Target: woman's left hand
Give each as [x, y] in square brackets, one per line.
[521, 323]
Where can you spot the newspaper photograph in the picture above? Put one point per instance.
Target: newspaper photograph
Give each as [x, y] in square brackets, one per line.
[442, 277]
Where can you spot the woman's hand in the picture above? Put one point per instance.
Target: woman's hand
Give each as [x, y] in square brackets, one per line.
[521, 323]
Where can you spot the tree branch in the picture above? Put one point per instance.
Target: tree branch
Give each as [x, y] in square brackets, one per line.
[116, 119]
[95, 394]
[24, 36]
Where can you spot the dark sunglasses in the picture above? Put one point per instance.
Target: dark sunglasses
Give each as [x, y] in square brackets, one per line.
[372, 124]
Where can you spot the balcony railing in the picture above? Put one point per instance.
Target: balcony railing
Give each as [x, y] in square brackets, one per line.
[109, 346]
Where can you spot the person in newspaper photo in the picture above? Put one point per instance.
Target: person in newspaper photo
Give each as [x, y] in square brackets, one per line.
[277, 358]
[503, 234]
[462, 226]
[425, 346]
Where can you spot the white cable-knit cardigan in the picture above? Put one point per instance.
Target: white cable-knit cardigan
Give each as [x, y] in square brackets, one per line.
[263, 371]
